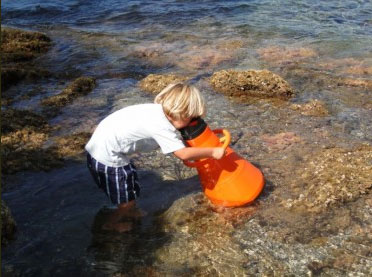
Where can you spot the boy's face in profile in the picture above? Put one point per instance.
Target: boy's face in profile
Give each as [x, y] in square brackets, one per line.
[179, 123]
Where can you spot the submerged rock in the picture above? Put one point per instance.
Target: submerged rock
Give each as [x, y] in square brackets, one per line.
[333, 177]
[23, 138]
[202, 240]
[18, 49]
[8, 224]
[313, 108]
[70, 145]
[285, 55]
[13, 120]
[155, 83]
[79, 87]
[19, 45]
[251, 83]
[23, 150]
[280, 141]
[23, 135]
[189, 56]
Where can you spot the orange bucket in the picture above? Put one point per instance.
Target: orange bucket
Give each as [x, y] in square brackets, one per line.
[231, 181]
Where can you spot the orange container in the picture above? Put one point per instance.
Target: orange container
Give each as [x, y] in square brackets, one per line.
[231, 181]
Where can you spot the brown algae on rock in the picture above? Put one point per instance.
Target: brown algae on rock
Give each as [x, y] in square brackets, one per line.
[280, 141]
[79, 87]
[20, 45]
[70, 145]
[23, 137]
[332, 177]
[282, 55]
[251, 83]
[312, 108]
[155, 83]
[8, 224]
[203, 238]
[18, 49]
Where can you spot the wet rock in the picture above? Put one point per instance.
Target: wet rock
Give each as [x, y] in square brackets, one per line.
[313, 108]
[13, 120]
[155, 83]
[359, 69]
[346, 66]
[25, 149]
[333, 73]
[285, 55]
[70, 146]
[205, 57]
[333, 177]
[8, 224]
[350, 82]
[251, 83]
[79, 87]
[23, 139]
[201, 238]
[153, 53]
[18, 45]
[23, 136]
[280, 141]
[18, 49]
[22, 150]
[230, 44]
[189, 56]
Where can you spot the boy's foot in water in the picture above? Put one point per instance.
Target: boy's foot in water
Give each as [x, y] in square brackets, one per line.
[119, 227]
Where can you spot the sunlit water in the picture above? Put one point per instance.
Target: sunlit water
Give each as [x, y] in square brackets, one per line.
[59, 213]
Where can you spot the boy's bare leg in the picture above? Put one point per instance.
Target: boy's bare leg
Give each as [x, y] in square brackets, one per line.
[124, 210]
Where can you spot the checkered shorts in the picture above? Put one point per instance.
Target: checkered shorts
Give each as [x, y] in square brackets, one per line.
[119, 183]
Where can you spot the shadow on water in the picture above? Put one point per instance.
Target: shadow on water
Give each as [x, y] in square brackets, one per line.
[133, 251]
[172, 208]
[60, 214]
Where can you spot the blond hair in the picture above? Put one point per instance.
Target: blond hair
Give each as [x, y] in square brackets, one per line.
[181, 101]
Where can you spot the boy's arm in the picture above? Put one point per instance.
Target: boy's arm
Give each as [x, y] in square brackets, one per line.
[196, 153]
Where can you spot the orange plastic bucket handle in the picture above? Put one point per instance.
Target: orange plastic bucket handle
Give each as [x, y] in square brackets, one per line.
[226, 139]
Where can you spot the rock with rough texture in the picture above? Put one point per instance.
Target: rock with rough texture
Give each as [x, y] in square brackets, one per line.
[155, 83]
[242, 85]
[18, 49]
[313, 108]
[8, 224]
[280, 55]
[333, 177]
[79, 87]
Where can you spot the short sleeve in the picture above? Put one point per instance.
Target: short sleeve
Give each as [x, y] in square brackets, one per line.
[168, 141]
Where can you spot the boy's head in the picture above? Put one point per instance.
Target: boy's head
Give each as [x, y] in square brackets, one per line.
[181, 102]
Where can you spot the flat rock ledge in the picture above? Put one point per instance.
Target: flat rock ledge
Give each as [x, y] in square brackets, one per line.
[243, 85]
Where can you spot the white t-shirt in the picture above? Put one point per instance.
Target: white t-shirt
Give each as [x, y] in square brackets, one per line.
[142, 127]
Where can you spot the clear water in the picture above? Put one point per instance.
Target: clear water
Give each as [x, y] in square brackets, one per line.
[119, 42]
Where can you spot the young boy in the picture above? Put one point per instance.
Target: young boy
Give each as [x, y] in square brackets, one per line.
[140, 128]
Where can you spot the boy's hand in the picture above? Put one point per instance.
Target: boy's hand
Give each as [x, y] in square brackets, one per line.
[218, 153]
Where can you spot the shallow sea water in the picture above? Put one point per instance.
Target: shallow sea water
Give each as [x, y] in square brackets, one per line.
[316, 46]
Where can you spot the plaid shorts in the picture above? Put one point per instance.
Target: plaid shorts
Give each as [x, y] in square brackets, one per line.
[119, 183]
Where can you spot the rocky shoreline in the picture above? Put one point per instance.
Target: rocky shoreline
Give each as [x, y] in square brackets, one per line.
[24, 133]
[316, 224]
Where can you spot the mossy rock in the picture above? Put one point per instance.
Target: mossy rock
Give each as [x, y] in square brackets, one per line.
[13, 120]
[243, 85]
[332, 177]
[19, 48]
[81, 86]
[70, 146]
[155, 83]
[8, 224]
